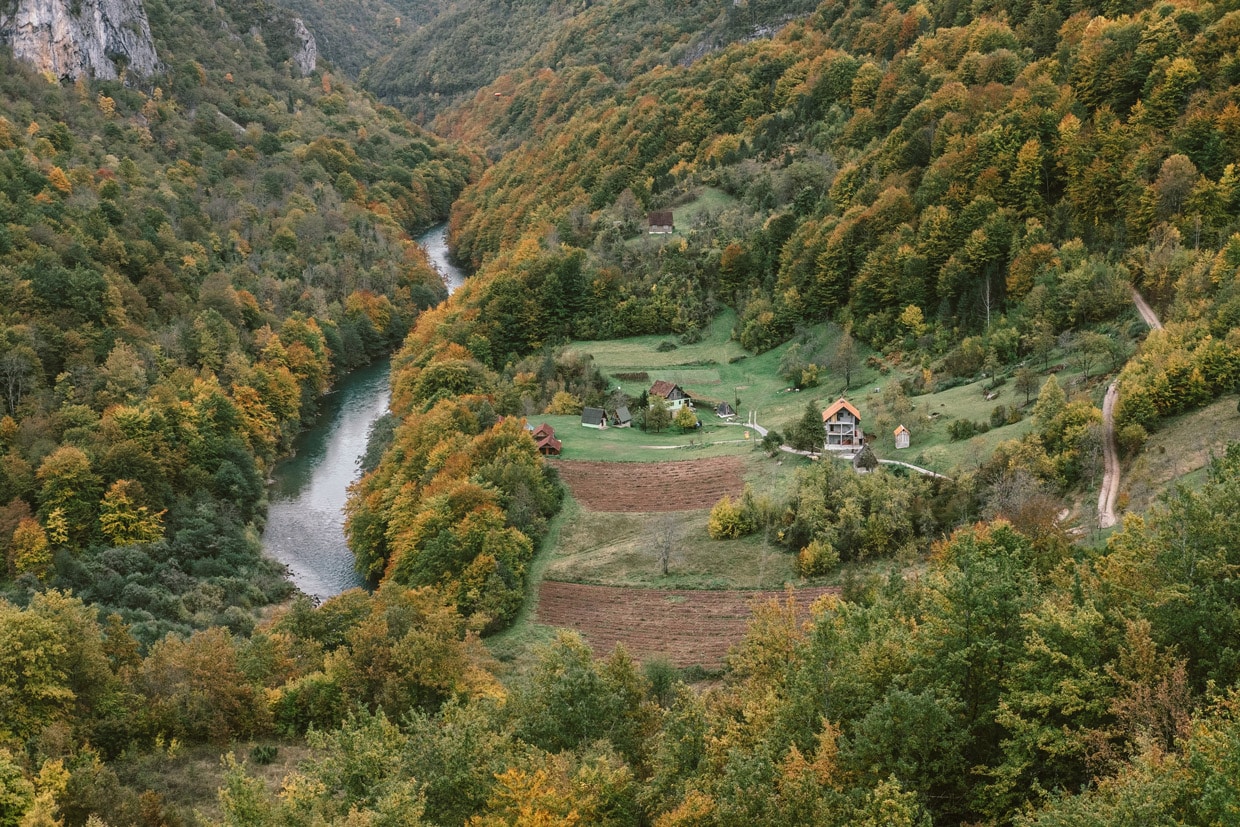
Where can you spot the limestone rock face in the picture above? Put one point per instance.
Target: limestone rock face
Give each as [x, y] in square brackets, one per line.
[74, 38]
[306, 58]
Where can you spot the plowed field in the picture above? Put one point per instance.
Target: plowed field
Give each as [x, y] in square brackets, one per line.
[686, 627]
[652, 486]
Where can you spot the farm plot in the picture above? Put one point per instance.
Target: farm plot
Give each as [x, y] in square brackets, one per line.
[653, 486]
[687, 627]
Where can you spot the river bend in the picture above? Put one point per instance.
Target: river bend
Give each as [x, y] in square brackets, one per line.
[305, 514]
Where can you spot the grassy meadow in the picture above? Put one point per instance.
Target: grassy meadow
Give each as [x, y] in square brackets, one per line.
[1179, 452]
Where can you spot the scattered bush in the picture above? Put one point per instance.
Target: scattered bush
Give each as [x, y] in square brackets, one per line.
[959, 429]
[264, 754]
[817, 559]
[727, 520]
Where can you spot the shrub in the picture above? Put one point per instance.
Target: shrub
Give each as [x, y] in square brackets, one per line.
[727, 520]
[817, 559]
[264, 754]
[1131, 438]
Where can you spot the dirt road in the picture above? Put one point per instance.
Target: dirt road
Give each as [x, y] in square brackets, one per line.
[1110, 454]
[1146, 311]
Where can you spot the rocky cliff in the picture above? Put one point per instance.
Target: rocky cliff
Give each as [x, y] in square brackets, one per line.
[306, 58]
[72, 38]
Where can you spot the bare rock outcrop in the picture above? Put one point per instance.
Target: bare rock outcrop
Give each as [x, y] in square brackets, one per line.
[69, 39]
[306, 57]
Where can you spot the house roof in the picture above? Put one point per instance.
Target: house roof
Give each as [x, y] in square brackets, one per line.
[593, 416]
[724, 409]
[838, 405]
[551, 444]
[660, 217]
[543, 430]
[901, 430]
[623, 415]
[664, 388]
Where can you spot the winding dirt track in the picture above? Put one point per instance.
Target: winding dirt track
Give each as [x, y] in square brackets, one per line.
[1147, 312]
[1110, 455]
[1109, 492]
[688, 627]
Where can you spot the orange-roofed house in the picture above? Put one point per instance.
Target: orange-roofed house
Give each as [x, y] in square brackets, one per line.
[902, 436]
[842, 424]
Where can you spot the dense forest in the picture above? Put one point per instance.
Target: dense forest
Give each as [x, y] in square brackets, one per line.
[185, 268]
[188, 262]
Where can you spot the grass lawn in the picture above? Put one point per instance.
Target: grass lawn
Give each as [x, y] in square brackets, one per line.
[1179, 451]
[189, 777]
[618, 549]
[714, 438]
[717, 369]
[931, 446]
[685, 216]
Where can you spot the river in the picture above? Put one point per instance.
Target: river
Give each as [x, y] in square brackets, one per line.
[305, 513]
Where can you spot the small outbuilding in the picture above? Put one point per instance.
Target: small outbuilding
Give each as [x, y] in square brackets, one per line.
[594, 418]
[549, 446]
[902, 436]
[672, 394]
[622, 418]
[661, 222]
[724, 411]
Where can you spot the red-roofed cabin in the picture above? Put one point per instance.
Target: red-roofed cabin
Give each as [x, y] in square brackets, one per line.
[549, 446]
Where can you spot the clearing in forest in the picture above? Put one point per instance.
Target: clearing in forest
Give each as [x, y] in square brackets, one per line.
[626, 487]
[687, 627]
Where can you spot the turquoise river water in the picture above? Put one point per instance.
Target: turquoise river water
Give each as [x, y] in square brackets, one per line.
[305, 515]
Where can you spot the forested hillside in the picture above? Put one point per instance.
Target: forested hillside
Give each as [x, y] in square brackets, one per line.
[353, 36]
[968, 191]
[184, 269]
[472, 42]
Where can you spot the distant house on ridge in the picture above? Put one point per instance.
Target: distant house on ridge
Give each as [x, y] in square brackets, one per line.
[842, 424]
[622, 418]
[661, 222]
[594, 418]
[672, 393]
[902, 436]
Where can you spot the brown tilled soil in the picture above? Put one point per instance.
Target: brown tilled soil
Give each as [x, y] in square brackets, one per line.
[694, 627]
[652, 486]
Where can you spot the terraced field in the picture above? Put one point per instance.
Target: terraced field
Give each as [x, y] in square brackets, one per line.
[687, 627]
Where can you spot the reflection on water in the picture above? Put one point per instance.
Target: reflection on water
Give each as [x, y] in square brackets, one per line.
[305, 518]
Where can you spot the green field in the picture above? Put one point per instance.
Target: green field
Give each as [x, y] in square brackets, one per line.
[1179, 452]
[717, 369]
[686, 215]
[617, 550]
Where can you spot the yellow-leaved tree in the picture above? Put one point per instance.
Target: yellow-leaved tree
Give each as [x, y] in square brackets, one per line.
[123, 521]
